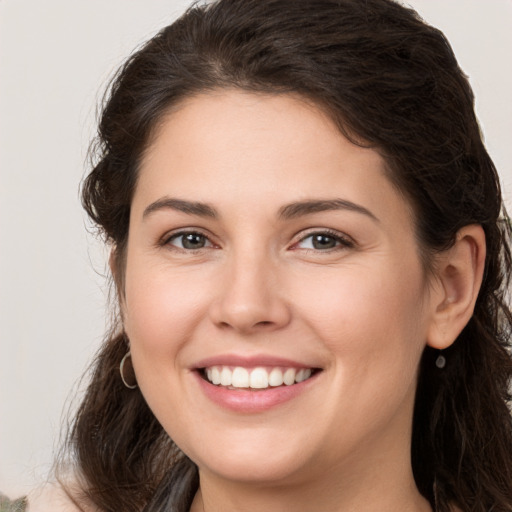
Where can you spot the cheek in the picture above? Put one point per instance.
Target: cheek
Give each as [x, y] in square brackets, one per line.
[161, 307]
[368, 318]
[162, 312]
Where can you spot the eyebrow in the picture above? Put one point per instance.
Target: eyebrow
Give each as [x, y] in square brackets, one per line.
[301, 208]
[288, 212]
[190, 207]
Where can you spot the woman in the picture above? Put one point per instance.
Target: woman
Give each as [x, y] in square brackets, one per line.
[311, 259]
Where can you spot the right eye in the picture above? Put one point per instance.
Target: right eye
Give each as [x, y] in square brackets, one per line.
[189, 240]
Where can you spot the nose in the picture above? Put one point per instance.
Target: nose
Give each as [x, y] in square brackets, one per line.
[250, 299]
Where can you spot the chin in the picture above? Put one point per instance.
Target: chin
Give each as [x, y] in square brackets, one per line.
[253, 462]
[253, 472]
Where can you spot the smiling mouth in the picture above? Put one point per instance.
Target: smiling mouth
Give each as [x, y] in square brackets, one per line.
[258, 378]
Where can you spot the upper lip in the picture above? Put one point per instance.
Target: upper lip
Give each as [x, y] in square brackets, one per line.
[250, 361]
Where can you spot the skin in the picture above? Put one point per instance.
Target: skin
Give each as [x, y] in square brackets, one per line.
[362, 311]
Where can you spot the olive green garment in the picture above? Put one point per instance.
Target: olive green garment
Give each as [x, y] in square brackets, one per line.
[6, 505]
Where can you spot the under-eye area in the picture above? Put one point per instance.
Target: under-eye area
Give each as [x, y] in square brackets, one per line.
[260, 377]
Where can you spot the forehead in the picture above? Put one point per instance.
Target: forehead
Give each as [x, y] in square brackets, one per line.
[257, 149]
[235, 120]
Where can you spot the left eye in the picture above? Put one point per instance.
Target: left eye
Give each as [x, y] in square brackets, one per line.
[189, 241]
[322, 241]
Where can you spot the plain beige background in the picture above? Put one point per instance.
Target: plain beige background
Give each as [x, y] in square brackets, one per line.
[55, 59]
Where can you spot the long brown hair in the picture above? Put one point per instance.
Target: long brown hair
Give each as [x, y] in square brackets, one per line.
[390, 80]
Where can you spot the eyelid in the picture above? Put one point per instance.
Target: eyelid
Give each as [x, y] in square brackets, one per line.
[170, 235]
[344, 240]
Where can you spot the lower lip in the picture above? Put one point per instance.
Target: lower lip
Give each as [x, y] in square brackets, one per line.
[259, 400]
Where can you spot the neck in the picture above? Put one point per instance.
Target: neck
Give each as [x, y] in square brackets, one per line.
[379, 487]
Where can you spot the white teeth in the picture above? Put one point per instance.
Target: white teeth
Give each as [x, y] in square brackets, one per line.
[226, 376]
[215, 375]
[276, 377]
[289, 376]
[240, 378]
[303, 374]
[299, 376]
[257, 378]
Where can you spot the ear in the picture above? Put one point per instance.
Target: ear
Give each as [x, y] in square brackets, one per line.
[112, 263]
[459, 275]
[117, 273]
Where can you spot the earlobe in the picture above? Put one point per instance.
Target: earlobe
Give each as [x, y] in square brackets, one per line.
[459, 274]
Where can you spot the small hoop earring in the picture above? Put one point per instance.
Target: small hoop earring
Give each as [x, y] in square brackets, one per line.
[441, 361]
[121, 371]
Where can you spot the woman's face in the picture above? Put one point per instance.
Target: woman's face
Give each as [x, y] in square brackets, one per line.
[265, 248]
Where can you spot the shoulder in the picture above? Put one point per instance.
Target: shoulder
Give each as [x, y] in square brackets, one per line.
[51, 497]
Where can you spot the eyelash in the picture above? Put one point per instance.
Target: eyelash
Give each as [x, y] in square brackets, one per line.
[166, 241]
[342, 241]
